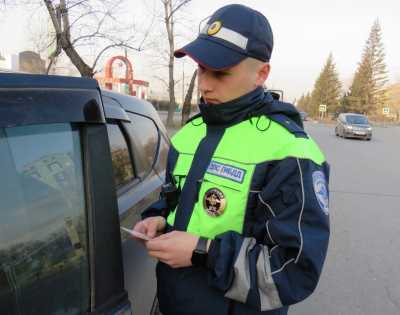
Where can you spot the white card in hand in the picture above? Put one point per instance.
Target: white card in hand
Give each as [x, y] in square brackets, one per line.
[136, 234]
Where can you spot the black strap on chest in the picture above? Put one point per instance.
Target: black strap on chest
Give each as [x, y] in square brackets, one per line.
[202, 157]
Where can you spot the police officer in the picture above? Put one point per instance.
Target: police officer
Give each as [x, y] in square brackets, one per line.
[242, 226]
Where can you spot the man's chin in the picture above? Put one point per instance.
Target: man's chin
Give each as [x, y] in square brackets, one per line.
[212, 101]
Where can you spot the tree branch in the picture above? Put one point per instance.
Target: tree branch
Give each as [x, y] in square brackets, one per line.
[53, 16]
[180, 5]
[147, 32]
[53, 60]
[95, 34]
[76, 4]
[65, 20]
[162, 80]
[109, 47]
[83, 15]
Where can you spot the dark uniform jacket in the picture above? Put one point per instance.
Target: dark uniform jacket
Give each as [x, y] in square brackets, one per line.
[276, 257]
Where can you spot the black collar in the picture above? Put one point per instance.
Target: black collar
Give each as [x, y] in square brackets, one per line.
[235, 111]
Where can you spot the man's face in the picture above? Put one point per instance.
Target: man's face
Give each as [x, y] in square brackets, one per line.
[222, 86]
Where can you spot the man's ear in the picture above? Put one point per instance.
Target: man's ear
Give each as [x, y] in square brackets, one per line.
[262, 74]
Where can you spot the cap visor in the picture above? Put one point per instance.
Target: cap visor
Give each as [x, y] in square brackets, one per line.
[210, 54]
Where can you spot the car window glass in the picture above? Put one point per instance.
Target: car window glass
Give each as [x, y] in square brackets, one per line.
[43, 230]
[355, 119]
[121, 161]
[145, 134]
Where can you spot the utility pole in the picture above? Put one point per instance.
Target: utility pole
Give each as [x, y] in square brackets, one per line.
[126, 73]
[183, 82]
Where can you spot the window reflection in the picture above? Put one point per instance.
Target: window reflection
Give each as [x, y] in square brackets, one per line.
[145, 133]
[122, 165]
[42, 222]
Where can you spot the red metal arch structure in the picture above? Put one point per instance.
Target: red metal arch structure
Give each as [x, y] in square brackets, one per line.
[108, 80]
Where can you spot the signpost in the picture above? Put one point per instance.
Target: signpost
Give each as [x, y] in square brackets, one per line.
[386, 111]
[322, 111]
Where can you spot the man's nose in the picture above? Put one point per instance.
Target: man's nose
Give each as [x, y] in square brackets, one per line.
[205, 82]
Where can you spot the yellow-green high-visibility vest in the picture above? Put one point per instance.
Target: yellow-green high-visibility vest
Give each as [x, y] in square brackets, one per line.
[242, 147]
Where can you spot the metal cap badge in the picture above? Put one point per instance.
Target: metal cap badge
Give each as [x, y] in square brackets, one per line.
[214, 28]
[214, 202]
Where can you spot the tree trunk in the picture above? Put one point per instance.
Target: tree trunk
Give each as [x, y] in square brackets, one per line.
[187, 104]
[62, 28]
[66, 44]
[169, 23]
[78, 62]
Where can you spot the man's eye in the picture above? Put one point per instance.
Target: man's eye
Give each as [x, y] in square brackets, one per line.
[220, 74]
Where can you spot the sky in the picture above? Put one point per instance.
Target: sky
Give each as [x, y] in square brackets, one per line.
[305, 33]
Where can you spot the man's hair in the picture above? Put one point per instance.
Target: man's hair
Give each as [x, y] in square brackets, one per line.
[254, 64]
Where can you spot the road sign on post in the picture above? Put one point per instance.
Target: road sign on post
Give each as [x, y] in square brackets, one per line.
[322, 111]
[385, 111]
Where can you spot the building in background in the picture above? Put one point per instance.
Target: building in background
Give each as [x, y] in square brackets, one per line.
[9, 63]
[30, 62]
[26, 61]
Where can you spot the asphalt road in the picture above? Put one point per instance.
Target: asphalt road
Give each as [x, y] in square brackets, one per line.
[362, 271]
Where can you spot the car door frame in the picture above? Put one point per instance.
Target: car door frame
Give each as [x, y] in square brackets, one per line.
[38, 99]
[135, 193]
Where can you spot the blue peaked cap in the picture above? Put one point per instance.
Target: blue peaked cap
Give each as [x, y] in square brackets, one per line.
[233, 33]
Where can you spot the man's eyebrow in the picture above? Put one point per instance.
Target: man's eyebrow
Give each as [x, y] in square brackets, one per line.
[218, 72]
[222, 71]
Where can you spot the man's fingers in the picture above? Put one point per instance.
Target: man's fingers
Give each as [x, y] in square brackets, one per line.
[165, 236]
[151, 228]
[140, 227]
[155, 245]
[162, 256]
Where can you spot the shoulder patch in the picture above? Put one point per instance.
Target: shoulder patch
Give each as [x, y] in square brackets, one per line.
[321, 191]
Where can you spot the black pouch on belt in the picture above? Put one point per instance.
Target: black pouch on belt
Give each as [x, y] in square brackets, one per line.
[171, 194]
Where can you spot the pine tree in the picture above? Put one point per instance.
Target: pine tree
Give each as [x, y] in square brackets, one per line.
[367, 92]
[304, 103]
[307, 103]
[327, 89]
[300, 103]
[345, 104]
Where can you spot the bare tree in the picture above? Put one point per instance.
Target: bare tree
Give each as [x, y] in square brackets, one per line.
[187, 104]
[60, 18]
[171, 7]
[87, 27]
[39, 38]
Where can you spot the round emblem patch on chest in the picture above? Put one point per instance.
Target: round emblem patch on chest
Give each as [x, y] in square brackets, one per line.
[214, 28]
[214, 202]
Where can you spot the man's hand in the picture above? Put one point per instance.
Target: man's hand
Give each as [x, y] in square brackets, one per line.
[174, 248]
[150, 226]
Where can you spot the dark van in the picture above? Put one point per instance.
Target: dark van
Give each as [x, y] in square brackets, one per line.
[76, 163]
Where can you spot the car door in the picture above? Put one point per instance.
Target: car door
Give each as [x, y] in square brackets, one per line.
[60, 249]
[135, 137]
[340, 125]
